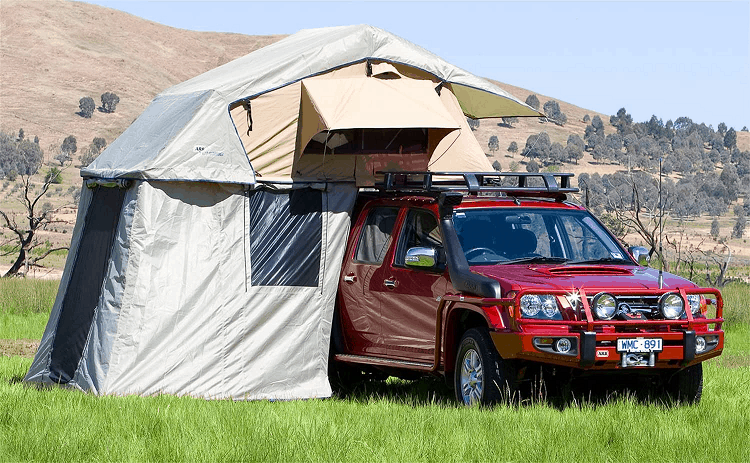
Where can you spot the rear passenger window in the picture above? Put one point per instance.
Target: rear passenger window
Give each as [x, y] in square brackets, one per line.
[375, 235]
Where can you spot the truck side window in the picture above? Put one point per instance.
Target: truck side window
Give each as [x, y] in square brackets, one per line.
[376, 233]
[420, 230]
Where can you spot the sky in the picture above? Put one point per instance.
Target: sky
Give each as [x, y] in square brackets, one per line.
[669, 58]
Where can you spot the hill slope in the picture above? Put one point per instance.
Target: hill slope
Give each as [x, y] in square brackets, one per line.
[54, 52]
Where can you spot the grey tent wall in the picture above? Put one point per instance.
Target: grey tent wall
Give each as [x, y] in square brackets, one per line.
[84, 287]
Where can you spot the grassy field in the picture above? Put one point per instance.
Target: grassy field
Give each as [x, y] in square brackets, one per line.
[399, 420]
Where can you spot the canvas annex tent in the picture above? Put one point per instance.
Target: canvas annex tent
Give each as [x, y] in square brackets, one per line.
[210, 234]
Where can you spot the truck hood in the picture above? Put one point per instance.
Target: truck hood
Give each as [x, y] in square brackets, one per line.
[591, 278]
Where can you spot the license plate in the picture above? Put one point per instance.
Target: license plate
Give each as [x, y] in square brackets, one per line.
[639, 345]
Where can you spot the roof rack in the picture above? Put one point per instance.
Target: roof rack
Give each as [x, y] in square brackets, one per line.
[554, 185]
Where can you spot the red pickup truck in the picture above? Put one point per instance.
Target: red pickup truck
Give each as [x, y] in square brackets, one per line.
[489, 279]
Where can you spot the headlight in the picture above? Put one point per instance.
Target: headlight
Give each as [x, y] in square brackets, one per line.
[671, 306]
[605, 306]
[540, 306]
[694, 301]
[530, 305]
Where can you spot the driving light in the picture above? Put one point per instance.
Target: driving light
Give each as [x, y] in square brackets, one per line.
[700, 344]
[549, 305]
[563, 345]
[671, 306]
[694, 301]
[530, 305]
[605, 306]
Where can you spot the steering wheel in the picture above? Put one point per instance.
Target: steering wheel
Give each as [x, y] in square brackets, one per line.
[477, 250]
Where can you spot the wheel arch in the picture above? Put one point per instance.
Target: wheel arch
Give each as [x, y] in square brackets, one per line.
[459, 319]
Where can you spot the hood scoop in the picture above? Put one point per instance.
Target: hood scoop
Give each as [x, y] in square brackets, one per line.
[584, 270]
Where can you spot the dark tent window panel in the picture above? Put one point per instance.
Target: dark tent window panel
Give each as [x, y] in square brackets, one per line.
[369, 141]
[86, 278]
[285, 237]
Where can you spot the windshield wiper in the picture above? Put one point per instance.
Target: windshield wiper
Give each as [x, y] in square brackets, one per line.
[604, 260]
[535, 260]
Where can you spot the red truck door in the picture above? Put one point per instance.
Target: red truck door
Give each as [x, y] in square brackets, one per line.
[361, 278]
[409, 296]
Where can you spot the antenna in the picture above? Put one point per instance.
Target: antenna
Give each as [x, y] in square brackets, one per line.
[661, 231]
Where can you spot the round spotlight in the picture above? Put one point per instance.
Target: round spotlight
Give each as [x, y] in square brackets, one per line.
[530, 305]
[563, 345]
[700, 344]
[671, 306]
[605, 306]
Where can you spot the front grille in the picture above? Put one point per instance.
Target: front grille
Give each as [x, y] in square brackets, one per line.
[647, 305]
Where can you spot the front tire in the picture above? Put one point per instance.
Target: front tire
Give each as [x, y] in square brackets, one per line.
[686, 385]
[481, 377]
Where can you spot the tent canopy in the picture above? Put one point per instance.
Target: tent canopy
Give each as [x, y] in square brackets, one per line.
[188, 133]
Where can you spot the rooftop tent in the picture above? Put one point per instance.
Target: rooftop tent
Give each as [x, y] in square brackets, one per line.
[207, 251]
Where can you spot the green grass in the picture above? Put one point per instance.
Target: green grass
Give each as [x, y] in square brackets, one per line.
[29, 326]
[63, 425]
[25, 296]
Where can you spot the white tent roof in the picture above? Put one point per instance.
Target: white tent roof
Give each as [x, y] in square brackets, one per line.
[187, 132]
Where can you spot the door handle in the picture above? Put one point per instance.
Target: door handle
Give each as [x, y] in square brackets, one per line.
[351, 278]
[390, 283]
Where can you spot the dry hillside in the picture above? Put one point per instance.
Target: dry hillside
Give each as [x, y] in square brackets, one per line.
[54, 52]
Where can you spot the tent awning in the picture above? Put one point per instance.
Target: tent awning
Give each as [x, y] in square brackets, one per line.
[371, 103]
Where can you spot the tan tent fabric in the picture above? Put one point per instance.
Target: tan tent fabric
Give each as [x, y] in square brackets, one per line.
[371, 103]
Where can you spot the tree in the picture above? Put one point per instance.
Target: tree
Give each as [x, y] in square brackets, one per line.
[67, 149]
[87, 107]
[722, 128]
[496, 165]
[730, 139]
[574, 148]
[553, 112]
[109, 102]
[99, 142]
[93, 151]
[473, 123]
[586, 119]
[533, 101]
[18, 157]
[739, 225]
[21, 135]
[513, 147]
[493, 144]
[34, 218]
[621, 121]
[715, 228]
[532, 166]
[509, 121]
[633, 199]
[744, 129]
[537, 146]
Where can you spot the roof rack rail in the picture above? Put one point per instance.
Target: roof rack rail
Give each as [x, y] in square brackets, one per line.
[554, 185]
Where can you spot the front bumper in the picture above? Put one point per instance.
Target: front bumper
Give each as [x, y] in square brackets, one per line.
[598, 350]
[594, 342]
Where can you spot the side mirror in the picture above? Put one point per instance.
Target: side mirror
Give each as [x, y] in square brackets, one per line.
[640, 254]
[420, 257]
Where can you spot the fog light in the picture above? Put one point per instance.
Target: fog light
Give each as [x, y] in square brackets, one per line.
[700, 344]
[563, 345]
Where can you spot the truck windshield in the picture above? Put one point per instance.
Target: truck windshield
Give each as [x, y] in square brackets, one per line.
[506, 236]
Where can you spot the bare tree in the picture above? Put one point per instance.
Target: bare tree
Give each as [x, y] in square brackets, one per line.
[721, 260]
[24, 232]
[630, 207]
